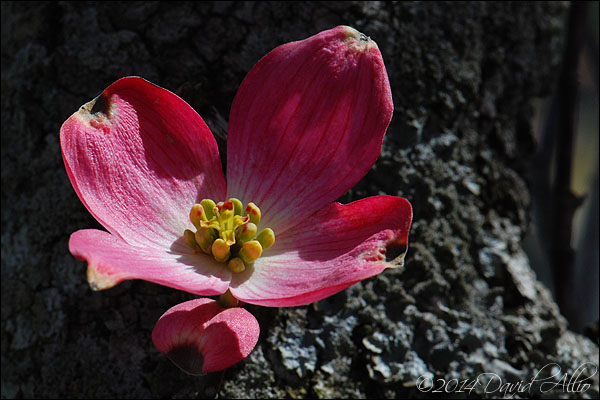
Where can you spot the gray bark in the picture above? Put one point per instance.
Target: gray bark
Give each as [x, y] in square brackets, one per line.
[467, 302]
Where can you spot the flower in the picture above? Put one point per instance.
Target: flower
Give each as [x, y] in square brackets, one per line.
[306, 124]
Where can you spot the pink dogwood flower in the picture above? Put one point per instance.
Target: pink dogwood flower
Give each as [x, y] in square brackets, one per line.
[306, 124]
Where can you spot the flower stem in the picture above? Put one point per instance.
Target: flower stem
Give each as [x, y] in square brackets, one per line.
[227, 300]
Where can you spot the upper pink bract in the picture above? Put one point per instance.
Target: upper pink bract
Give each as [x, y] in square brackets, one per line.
[306, 124]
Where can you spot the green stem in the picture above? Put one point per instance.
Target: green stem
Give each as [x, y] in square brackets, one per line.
[227, 300]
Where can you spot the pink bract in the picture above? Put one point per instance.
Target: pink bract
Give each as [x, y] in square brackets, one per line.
[201, 336]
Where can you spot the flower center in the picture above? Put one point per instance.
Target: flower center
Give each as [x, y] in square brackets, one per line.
[227, 232]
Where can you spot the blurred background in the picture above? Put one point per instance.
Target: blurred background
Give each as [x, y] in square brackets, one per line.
[565, 178]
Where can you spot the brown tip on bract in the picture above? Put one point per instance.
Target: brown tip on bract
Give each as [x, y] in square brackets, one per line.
[96, 113]
[357, 40]
[395, 253]
[188, 359]
[98, 280]
[99, 105]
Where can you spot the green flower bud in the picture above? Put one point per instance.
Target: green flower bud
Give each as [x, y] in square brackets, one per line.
[246, 232]
[253, 212]
[250, 251]
[237, 206]
[189, 239]
[236, 265]
[205, 237]
[220, 250]
[208, 205]
[266, 237]
[197, 214]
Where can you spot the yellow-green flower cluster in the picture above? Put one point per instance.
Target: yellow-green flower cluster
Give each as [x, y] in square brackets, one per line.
[227, 232]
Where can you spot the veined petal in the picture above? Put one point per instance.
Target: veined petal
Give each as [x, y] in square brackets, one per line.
[327, 252]
[139, 157]
[200, 336]
[111, 260]
[306, 124]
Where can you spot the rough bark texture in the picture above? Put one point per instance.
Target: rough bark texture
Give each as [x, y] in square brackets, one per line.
[467, 302]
